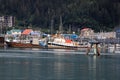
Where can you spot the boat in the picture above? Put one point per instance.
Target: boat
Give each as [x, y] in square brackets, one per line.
[22, 45]
[62, 42]
[27, 43]
[27, 39]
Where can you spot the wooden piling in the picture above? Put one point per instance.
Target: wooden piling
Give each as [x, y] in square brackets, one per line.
[114, 48]
[95, 47]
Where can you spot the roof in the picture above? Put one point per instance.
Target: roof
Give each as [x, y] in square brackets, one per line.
[27, 31]
[35, 33]
[70, 36]
[84, 29]
[9, 32]
[74, 36]
[15, 30]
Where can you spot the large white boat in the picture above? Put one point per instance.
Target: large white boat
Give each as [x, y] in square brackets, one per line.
[65, 43]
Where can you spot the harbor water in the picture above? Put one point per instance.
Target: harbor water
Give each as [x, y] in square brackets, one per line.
[56, 64]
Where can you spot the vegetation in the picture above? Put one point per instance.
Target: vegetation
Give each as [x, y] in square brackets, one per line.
[96, 14]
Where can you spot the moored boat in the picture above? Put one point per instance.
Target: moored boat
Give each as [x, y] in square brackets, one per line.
[61, 42]
[22, 45]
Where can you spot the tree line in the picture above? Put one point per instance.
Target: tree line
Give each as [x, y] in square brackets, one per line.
[96, 14]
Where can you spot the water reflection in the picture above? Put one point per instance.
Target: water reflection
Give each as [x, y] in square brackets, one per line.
[50, 66]
[92, 67]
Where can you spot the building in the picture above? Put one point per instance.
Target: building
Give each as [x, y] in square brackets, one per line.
[7, 21]
[105, 35]
[87, 33]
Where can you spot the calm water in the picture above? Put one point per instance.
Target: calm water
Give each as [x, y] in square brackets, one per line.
[28, 64]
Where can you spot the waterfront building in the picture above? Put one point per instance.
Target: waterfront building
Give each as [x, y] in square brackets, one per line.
[87, 33]
[105, 35]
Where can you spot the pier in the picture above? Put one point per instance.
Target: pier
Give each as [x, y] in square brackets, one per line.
[109, 45]
[109, 41]
[95, 46]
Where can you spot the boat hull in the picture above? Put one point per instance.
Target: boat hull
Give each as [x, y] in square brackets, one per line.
[22, 45]
[49, 46]
[60, 46]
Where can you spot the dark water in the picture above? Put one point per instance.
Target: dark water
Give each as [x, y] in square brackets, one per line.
[27, 64]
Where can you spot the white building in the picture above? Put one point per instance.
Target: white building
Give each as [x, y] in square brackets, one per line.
[87, 33]
[7, 21]
[105, 35]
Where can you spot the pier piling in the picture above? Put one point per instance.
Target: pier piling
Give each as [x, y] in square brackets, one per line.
[95, 47]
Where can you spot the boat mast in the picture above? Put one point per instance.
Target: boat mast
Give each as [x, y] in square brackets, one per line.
[52, 21]
[69, 31]
[61, 26]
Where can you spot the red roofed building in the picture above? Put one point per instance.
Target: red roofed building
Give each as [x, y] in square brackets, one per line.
[27, 31]
[87, 33]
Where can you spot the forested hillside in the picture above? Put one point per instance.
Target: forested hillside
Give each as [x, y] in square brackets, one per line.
[96, 14]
